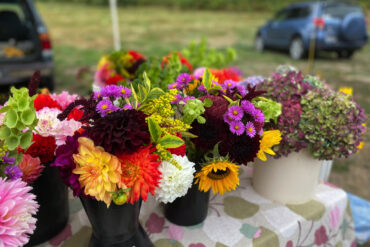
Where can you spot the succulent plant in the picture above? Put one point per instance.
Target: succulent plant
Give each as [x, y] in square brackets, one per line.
[19, 120]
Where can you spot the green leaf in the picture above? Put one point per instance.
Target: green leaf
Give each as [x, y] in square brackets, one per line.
[170, 141]
[186, 134]
[207, 102]
[155, 93]
[4, 132]
[146, 81]
[143, 93]
[207, 81]
[201, 120]
[228, 99]
[11, 118]
[4, 109]
[134, 95]
[26, 140]
[154, 129]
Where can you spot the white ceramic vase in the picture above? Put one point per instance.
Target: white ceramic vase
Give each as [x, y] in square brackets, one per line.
[288, 180]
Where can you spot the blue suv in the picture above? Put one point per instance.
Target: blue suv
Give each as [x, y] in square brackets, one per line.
[335, 26]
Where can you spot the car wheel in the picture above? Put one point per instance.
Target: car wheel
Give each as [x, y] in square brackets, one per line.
[296, 48]
[346, 54]
[259, 44]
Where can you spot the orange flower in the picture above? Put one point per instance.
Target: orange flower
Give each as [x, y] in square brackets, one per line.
[140, 172]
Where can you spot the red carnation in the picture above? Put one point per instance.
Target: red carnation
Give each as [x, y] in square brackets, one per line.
[180, 150]
[44, 100]
[42, 147]
[113, 80]
[75, 114]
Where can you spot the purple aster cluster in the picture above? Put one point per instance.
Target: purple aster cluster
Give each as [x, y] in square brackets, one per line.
[106, 106]
[245, 118]
[13, 172]
[8, 160]
[231, 88]
[181, 81]
[109, 94]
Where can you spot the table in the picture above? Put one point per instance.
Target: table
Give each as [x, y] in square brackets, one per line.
[238, 219]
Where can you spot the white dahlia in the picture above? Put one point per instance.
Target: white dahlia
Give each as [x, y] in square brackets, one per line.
[175, 182]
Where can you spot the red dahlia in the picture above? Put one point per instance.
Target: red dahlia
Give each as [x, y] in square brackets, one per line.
[42, 147]
[44, 100]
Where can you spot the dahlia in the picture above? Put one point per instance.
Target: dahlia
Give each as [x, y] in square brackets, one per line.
[42, 147]
[64, 98]
[121, 131]
[44, 100]
[31, 168]
[140, 172]
[48, 124]
[174, 182]
[99, 171]
[17, 207]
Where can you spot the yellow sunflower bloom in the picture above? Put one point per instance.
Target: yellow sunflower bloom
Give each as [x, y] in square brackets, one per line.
[269, 138]
[346, 90]
[100, 172]
[222, 176]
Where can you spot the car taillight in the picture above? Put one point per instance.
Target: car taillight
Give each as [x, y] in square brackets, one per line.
[319, 22]
[45, 44]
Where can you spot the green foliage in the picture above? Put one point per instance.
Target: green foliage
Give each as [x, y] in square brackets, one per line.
[155, 130]
[271, 109]
[170, 141]
[193, 109]
[314, 81]
[19, 115]
[162, 74]
[202, 56]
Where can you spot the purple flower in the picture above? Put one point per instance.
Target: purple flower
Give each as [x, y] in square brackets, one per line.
[258, 116]
[252, 81]
[229, 84]
[228, 118]
[125, 92]
[127, 107]
[260, 132]
[237, 127]
[248, 107]
[111, 91]
[236, 112]
[13, 172]
[184, 78]
[250, 130]
[8, 160]
[106, 106]
[174, 85]
[202, 89]
[177, 100]
[241, 90]
[188, 98]
[97, 95]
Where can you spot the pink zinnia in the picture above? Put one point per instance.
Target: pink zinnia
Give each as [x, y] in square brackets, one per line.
[17, 206]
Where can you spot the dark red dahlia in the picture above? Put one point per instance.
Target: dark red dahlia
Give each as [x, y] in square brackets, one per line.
[44, 100]
[218, 108]
[42, 147]
[120, 132]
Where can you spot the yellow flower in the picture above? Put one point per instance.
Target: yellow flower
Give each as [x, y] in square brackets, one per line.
[192, 86]
[269, 139]
[100, 172]
[103, 61]
[346, 90]
[360, 146]
[221, 175]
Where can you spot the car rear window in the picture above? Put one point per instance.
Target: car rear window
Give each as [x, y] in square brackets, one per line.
[17, 31]
[340, 10]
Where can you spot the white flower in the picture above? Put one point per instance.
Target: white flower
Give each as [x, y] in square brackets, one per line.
[175, 182]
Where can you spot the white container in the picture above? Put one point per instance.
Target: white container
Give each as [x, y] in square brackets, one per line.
[288, 180]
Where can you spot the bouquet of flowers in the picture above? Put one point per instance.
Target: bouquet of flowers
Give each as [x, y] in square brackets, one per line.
[330, 124]
[130, 145]
[119, 66]
[230, 132]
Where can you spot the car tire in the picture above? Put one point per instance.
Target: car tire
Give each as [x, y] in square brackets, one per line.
[259, 44]
[296, 48]
[345, 54]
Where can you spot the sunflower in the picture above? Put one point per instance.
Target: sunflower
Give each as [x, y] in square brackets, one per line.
[269, 139]
[221, 175]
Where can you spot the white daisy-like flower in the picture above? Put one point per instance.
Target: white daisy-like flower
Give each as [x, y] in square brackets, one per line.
[175, 182]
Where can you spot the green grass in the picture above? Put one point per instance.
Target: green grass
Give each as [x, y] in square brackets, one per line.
[82, 33]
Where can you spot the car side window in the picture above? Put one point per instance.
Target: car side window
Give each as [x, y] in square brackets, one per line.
[298, 12]
[281, 15]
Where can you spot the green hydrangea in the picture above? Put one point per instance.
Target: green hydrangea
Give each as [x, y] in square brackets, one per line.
[19, 120]
[271, 109]
[193, 109]
[332, 123]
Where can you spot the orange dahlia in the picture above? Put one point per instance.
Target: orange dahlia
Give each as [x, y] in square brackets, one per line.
[140, 172]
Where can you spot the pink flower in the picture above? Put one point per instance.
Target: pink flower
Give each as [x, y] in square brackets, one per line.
[31, 168]
[320, 236]
[102, 75]
[64, 98]
[17, 206]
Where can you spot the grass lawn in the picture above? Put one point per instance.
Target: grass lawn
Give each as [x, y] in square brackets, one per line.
[81, 34]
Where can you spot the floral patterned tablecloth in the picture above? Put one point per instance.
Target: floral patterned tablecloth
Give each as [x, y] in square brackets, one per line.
[239, 219]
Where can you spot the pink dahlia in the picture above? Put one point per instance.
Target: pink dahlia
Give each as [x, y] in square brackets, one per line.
[31, 168]
[17, 207]
[64, 98]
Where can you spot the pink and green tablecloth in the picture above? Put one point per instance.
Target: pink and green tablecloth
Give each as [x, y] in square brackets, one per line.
[239, 219]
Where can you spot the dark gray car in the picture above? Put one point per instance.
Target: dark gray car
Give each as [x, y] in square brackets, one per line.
[24, 44]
